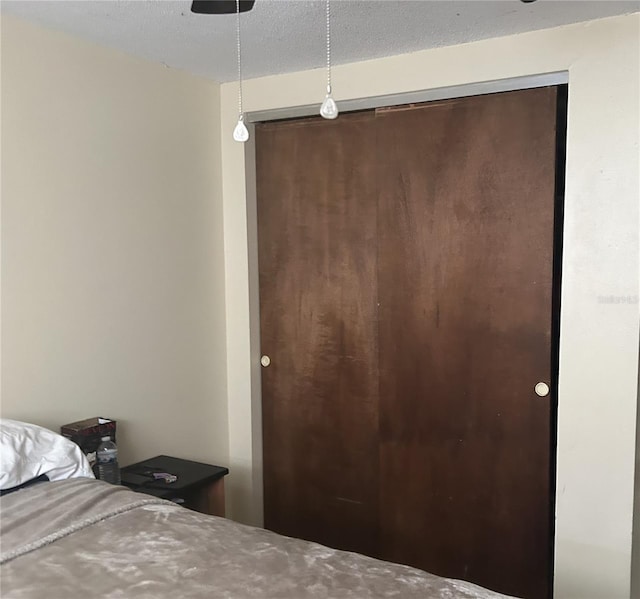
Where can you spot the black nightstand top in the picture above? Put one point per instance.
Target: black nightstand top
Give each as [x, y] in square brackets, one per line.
[191, 475]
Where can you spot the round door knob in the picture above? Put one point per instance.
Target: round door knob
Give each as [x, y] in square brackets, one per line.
[265, 361]
[542, 389]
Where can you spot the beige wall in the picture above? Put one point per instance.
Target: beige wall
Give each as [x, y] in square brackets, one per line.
[112, 264]
[599, 340]
[635, 553]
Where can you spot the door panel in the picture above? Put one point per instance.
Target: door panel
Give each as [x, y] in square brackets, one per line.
[317, 260]
[466, 207]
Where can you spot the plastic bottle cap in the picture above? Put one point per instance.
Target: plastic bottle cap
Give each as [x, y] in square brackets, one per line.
[107, 438]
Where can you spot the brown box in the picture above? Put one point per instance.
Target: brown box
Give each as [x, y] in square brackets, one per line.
[88, 433]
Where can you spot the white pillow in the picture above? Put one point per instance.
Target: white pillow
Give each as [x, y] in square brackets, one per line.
[28, 451]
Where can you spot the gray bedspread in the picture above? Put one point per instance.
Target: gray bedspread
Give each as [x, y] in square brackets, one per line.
[83, 538]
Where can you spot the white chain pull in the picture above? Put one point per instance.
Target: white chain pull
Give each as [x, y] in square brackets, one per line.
[329, 109]
[240, 133]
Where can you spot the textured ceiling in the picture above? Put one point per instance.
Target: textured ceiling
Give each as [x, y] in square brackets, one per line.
[288, 35]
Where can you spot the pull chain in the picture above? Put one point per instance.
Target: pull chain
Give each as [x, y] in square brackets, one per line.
[239, 55]
[240, 133]
[328, 42]
[328, 110]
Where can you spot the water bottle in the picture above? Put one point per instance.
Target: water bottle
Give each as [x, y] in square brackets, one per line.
[107, 456]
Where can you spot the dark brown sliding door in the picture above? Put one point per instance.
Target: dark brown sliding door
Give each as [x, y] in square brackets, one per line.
[317, 247]
[406, 262]
[465, 222]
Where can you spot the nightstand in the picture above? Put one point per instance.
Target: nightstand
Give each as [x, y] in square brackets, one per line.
[199, 487]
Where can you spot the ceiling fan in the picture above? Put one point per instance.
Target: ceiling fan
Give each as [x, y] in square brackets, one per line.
[220, 7]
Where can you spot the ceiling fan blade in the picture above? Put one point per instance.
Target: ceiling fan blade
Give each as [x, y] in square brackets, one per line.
[220, 7]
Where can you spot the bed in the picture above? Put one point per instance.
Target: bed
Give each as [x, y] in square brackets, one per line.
[79, 537]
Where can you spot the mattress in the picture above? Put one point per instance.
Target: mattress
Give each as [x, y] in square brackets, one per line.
[85, 538]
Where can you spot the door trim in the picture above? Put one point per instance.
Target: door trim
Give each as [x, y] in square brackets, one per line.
[427, 95]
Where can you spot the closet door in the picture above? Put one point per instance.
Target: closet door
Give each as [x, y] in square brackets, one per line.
[465, 223]
[406, 260]
[317, 207]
